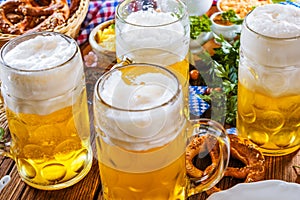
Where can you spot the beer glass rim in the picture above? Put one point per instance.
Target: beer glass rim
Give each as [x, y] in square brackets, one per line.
[24, 37]
[119, 17]
[104, 77]
[266, 36]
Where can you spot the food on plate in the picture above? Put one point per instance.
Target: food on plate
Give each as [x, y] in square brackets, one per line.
[102, 40]
[23, 16]
[226, 24]
[107, 37]
[241, 149]
[219, 20]
[227, 18]
[241, 7]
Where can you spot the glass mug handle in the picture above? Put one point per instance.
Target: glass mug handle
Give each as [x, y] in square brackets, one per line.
[208, 138]
[4, 132]
[125, 61]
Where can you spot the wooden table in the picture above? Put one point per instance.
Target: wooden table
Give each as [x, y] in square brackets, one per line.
[90, 187]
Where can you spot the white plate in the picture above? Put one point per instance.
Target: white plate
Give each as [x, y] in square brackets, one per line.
[263, 190]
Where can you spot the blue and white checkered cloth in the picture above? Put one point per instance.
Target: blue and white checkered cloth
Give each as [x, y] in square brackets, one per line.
[197, 105]
[99, 11]
[293, 3]
[231, 130]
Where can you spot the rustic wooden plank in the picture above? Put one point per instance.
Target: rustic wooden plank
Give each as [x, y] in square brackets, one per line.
[282, 167]
[15, 187]
[5, 166]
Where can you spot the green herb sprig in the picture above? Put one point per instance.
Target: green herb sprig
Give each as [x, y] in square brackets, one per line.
[2, 132]
[231, 16]
[199, 24]
[2, 138]
[224, 67]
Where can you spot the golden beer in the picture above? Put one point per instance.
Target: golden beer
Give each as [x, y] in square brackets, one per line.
[45, 98]
[181, 70]
[161, 177]
[142, 135]
[271, 123]
[268, 89]
[140, 148]
[179, 65]
[54, 148]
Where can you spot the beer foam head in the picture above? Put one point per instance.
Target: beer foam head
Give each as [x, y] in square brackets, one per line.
[40, 53]
[143, 92]
[144, 110]
[275, 20]
[151, 18]
[39, 69]
[270, 30]
[270, 41]
[152, 30]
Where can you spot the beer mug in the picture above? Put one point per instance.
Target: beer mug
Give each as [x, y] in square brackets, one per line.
[269, 71]
[44, 92]
[155, 32]
[142, 134]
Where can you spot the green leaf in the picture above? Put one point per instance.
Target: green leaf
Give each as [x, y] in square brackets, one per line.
[226, 61]
[2, 132]
[199, 24]
[206, 98]
[231, 16]
[112, 25]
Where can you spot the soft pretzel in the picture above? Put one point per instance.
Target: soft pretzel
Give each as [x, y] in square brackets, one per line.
[200, 145]
[248, 153]
[21, 16]
[241, 149]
